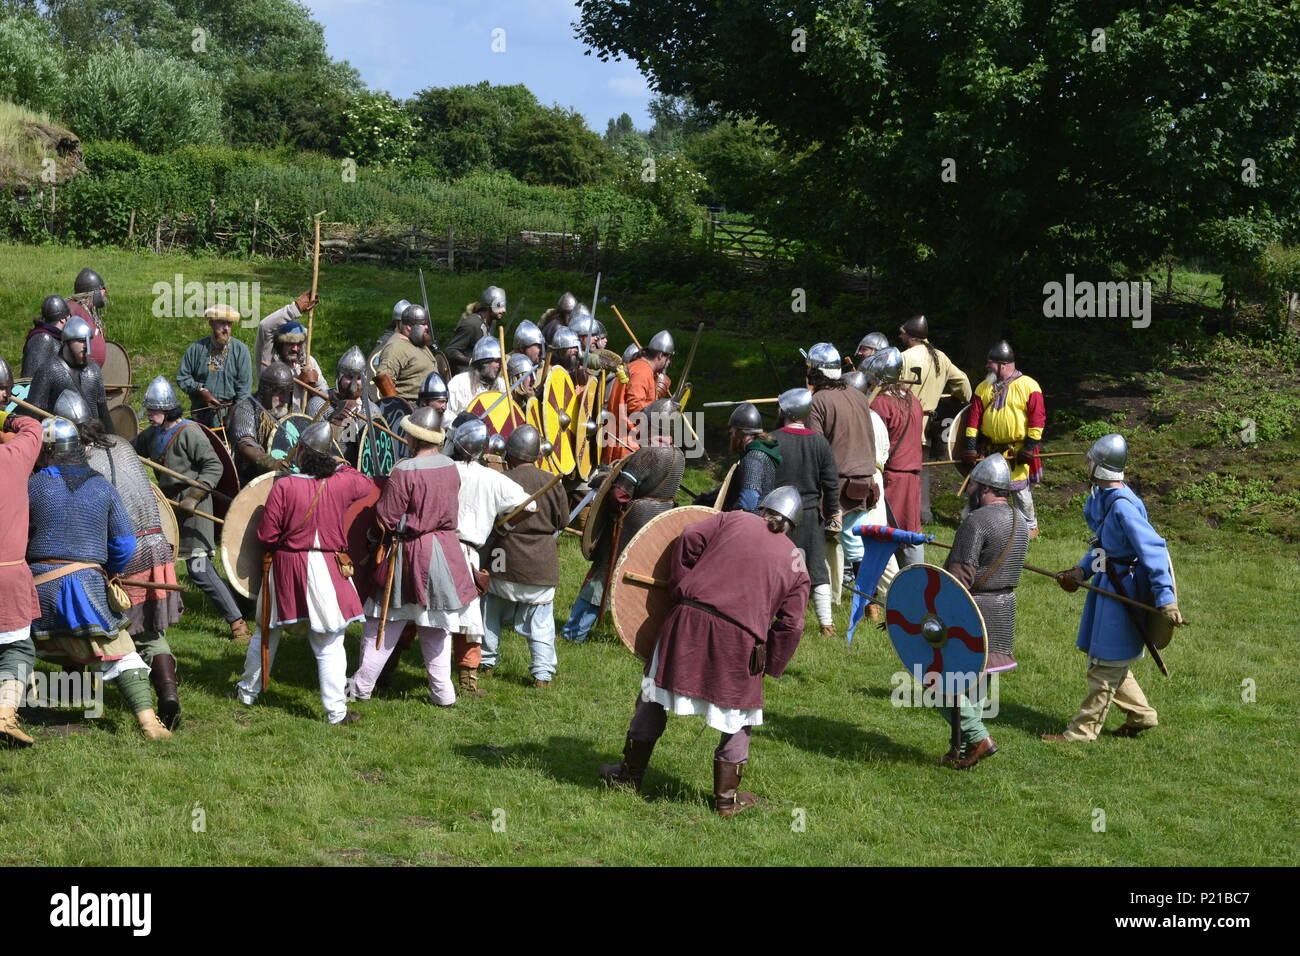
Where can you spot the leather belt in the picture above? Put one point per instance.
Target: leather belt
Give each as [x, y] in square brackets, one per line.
[710, 609]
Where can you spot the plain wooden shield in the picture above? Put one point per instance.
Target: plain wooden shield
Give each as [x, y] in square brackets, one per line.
[720, 502]
[241, 552]
[229, 483]
[638, 590]
[124, 421]
[600, 513]
[117, 374]
[956, 432]
[167, 518]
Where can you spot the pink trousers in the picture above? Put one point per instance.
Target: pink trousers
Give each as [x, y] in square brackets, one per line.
[437, 659]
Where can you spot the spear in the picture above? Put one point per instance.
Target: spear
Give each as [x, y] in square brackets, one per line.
[315, 279]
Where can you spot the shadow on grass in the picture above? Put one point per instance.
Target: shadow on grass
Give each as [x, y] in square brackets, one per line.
[574, 761]
[1010, 714]
[834, 738]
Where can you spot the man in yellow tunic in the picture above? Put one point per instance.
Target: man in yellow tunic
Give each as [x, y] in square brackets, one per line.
[1007, 416]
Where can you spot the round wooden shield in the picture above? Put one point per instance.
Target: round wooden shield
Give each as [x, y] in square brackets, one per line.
[720, 502]
[602, 507]
[377, 451]
[21, 387]
[559, 395]
[639, 607]
[229, 483]
[241, 552]
[500, 415]
[954, 433]
[373, 363]
[124, 421]
[936, 628]
[285, 439]
[586, 452]
[167, 518]
[392, 410]
[117, 372]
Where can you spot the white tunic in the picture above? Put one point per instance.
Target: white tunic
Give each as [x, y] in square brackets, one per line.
[728, 720]
[485, 495]
[463, 387]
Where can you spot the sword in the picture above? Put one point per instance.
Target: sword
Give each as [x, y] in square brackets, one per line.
[751, 401]
[395, 544]
[370, 438]
[575, 512]
[690, 360]
[424, 295]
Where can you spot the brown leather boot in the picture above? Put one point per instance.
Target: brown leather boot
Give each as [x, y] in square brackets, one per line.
[467, 684]
[629, 773]
[975, 753]
[11, 734]
[162, 674]
[151, 726]
[874, 613]
[727, 799]
[239, 633]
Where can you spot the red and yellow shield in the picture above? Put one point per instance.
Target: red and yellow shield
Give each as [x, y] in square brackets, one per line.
[498, 414]
[559, 405]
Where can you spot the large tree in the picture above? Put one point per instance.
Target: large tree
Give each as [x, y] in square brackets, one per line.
[1076, 135]
[464, 128]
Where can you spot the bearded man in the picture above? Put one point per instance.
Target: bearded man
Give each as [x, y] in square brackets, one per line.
[89, 300]
[343, 407]
[254, 419]
[483, 375]
[479, 319]
[264, 347]
[72, 368]
[557, 317]
[217, 370]
[647, 382]
[291, 349]
[406, 361]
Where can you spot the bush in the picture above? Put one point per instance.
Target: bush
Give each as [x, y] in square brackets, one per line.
[31, 64]
[376, 130]
[153, 101]
[555, 148]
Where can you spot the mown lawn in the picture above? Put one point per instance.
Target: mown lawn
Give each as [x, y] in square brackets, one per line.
[510, 778]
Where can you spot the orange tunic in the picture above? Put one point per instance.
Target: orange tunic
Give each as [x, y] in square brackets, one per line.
[625, 400]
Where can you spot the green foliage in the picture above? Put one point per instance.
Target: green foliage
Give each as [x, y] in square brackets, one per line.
[1091, 431]
[145, 98]
[31, 65]
[285, 108]
[671, 183]
[376, 130]
[554, 148]
[737, 160]
[464, 128]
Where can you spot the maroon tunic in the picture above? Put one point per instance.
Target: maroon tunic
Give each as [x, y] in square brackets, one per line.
[18, 453]
[903, 420]
[707, 656]
[283, 529]
[98, 343]
[426, 490]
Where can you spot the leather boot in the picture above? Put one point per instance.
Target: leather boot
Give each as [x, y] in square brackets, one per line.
[467, 682]
[629, 773]
[162, 674]
[11, 734]
[151, 726]
[239, 633]
[875, 613]
[727, 799]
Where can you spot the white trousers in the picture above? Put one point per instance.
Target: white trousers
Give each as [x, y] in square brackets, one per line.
[331, 668]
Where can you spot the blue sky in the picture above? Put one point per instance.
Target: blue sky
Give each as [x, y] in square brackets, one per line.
[404, 45]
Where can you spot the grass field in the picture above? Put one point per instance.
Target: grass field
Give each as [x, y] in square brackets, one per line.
[510, 779]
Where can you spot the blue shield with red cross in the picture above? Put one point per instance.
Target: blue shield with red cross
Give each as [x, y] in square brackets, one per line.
[936, 628]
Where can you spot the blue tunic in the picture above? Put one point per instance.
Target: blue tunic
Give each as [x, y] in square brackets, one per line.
[1118, 517]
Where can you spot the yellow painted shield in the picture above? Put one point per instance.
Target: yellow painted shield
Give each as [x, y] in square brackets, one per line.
[586, 432]
[503, 417]
[560, 397]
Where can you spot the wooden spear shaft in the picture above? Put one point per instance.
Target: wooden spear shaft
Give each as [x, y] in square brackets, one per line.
[503, 524]
[626, 328]
[315, 280]
[355, 414]
[198, 513]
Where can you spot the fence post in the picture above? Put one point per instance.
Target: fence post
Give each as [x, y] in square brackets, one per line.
[130, 228]
[252, 245]
[451, 249]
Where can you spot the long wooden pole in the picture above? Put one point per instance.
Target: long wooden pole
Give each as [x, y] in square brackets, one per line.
[147, 462]
[503, 524]
[626, 328]
[198, 513]
[355, 414]
[315, 281]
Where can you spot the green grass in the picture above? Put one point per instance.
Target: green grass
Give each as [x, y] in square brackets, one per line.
[413, 784]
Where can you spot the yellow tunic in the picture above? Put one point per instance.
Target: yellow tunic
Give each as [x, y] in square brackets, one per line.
[1021, 417]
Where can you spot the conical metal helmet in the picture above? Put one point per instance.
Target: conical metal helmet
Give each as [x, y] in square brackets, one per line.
[494, 297]
[883, 368]
[746, 419]
[352, 363]
[1002, 352]
[785, 501]
[59, 434]
[994, 472]
[319, 437]
[567, 302]
[77, 328]
[433, 386]
[524, 444]
[276, 377]
[583, 325]
[72, 406]
[580, 309]
[874, 341]
[6, 374]
[662, 342]
[486, 349]
[519, 367]
[160, 396]
[415, 315]
[630, 353]
[54, 309]
[1109, 456]
[398, 308]
[795, 404]
[88, 280]
[564, 338]
[425, 423]
[528, 334]
[916, 326]
[469, 439]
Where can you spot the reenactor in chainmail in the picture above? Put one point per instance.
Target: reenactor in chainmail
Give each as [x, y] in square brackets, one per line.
[45, 340]
[552, 319]
[291, 349]
[646, 487]
[479, 319]
[179, 445]
[254, 419]
[344, 408]
[89, 300]
[72, 368]
[987, 557]
[433, 393]
[151, 611]
[760, 454]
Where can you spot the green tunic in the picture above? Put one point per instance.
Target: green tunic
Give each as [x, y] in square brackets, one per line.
[189, 453]
[231, 382]
[408, 365]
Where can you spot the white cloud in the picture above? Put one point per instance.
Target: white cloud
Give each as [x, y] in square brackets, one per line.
[631, 86]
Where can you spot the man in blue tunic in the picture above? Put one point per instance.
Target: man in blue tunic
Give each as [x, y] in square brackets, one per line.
[1129, 558]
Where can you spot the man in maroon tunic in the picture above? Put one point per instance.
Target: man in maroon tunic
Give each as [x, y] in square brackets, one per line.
[904, 418]
[303, 526]
[431, 583]
[726, 631]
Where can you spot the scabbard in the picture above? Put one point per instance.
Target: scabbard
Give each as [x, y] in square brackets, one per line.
[265, 618]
